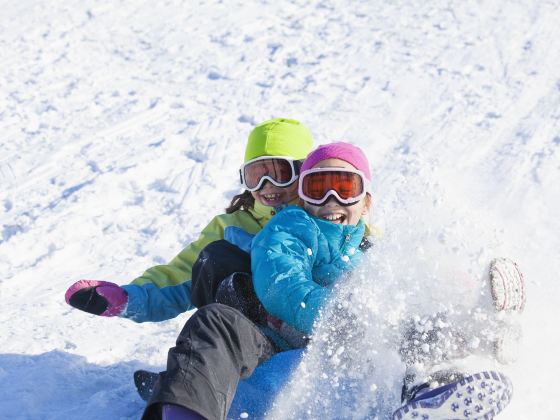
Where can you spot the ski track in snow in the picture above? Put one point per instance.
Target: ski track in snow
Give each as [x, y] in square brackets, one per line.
[123, 125]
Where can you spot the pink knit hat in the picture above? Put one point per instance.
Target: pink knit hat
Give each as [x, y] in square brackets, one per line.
[339, 150]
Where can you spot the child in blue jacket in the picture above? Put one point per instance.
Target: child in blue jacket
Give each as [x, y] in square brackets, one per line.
[303, 252]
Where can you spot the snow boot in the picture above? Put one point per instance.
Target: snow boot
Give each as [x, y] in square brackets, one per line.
[445, 397]
[508, 295]
[145, 382]
[507, 285]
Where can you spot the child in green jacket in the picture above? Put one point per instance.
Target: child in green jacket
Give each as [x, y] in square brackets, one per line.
[273, 155]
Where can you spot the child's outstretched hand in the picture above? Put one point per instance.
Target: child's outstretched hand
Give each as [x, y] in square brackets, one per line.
[97, 297]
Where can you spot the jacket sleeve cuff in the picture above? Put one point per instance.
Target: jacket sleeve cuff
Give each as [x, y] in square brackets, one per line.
[150, 303]
[136, 306]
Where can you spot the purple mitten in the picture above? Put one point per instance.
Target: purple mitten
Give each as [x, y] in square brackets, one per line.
[97, 297]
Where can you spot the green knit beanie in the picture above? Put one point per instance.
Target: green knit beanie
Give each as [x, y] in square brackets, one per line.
[279, 137]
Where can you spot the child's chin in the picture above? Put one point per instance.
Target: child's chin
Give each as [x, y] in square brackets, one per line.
[270, 203]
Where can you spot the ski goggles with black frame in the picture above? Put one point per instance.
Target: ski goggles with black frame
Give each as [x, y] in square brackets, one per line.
[347, 186]
[280, 171]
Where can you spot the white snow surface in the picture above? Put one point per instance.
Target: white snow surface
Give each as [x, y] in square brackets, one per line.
[122, 125]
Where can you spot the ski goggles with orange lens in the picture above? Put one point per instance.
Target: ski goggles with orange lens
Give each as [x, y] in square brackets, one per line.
[279, 170]
[348, 186]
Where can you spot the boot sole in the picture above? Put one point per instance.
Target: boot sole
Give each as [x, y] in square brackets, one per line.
[476, 397]
[508, 285]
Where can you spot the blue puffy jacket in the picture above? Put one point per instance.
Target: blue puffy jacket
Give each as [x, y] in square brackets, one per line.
[295, 260]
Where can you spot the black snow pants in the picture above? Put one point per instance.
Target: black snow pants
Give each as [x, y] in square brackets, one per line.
[221, 342]
[222, 274]
[217, 347]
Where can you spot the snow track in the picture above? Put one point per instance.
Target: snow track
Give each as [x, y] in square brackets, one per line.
[122, 126]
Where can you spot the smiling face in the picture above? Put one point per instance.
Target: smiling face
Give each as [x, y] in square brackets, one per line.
[332, 210]
[271, 195]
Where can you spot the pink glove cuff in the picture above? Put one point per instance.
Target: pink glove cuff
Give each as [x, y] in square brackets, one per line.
[115, 295]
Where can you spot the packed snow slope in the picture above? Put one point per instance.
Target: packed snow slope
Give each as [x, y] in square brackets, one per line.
[122, 126]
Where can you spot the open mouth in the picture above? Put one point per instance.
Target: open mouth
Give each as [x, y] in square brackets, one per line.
[334, 218]
[271, 198]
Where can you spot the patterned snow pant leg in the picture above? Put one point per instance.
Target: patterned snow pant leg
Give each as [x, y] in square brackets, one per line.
[217, 347]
